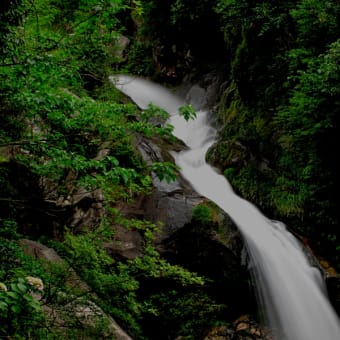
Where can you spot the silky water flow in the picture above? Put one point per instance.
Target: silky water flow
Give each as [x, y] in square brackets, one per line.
[290, 290]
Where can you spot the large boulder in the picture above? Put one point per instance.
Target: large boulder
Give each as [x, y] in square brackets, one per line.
[214, 250]
[170, 203]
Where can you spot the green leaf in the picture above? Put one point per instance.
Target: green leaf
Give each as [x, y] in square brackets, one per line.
[16, 309]
[165, 170]
[112, 160]
[3, 305]
[187, 112]
[13, 295]
[19, 288]
[35, 305]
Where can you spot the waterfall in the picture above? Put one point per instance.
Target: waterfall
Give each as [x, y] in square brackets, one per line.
[291, 291]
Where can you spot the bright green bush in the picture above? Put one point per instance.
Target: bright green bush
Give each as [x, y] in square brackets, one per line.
[202, 214]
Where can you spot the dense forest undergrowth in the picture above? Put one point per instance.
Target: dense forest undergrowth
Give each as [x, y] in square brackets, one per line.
[68, 144]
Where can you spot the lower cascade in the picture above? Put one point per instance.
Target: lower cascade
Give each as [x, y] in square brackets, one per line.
[290, 290]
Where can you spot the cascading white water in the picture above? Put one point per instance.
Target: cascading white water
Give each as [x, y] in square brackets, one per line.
[292, 291]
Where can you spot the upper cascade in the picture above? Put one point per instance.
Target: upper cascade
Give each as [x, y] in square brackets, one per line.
[291, 290]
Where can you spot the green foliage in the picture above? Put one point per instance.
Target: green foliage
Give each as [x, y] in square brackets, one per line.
[66, 131]
[258, 35]
[202, 214]
[152, 122]
[246, 182]
[281, 107]
[165, 170]
[63, 123]
[187, 313]
[140, 58]
[317, 19]
[290, 197]
[310, 119]
[20, 276]
[233, 16]
[152, 266]
[173, 38]
[111, 280]
[187, 112]
[117, 282]
[8, 229]
[15, 264]
[20, 312]
[138, 7]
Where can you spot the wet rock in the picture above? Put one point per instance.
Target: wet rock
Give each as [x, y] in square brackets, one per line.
[169, 203]
[119, 49]
[246, 328]
[332, 278]
[204, 92]
[197, 97]
[220, 333]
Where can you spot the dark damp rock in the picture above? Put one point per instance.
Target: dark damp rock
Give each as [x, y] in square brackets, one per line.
[197, 97]
[332, 279]
[35, 213]
[333, 288]
[214, 251]
[204, 92]
[45, 205]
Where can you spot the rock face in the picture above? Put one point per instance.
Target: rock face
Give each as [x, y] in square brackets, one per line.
[126, 244]
[244, 328]
[204, 92]
[169, 203]
[332, 278]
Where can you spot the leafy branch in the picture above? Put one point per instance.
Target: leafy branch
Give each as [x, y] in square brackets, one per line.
[187, 112]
